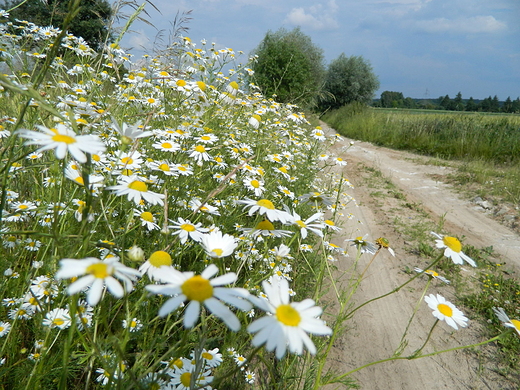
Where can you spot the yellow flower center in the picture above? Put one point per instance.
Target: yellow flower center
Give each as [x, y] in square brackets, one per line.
[63, 138]
[138, 185]
[127, 160]
[99, 270]
[218, 252]
[166, 145]
[207, 356]
[283, 169]
[205, 138]
[200, 149]
[188, 227]
[201, 85]
[79, 180]
[266, 203]
[133, 324]
[233, 85]
[288, 315]
[186, 379]
[329, 222]
[181, 83]
[300, 224]
[452, 243]
[255, 183]
[127, 172]
[265, 225]
[431, 272]
[160, 258]
[147, 216]
[58, 321]
[197, 288]
[164, 167]
[176, 363]
[445, 309]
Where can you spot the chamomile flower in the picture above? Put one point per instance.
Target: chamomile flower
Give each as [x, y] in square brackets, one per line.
[363, 245]
[134, 325]
[186, 229]
[152, 266]
[57, 318]
[135, 189]
[129, 133]
[265, 228]
[5, 327]
[147, 219]
[167, 146]
[316, 197]
[446, 311]
[266, 207]
[288, 323]
[453, 249]
[98, 274]
[257, 186]
[218, 245]
[502, 316]
[63, 139]
[432, 274]
[308, 224]
[212, 358]
[201, 290]
[199, 154]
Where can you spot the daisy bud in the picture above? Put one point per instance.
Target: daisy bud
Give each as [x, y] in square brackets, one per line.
[136, 254]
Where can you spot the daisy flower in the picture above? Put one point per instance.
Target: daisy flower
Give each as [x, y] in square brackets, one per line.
[5, 327]
[135, 189]
[432, 274]
[316, 197]
[308, 224]
[152, 266]
[339, 161]
[199, 154]
[266, 228]
[502, 316]
[453, 249]
[184, 229]
[167, 146]
[363, 245]
[147, 219]
[134, 325]
[63, 139]
[257, 186]
[98, 274]
[57, 318]
[266, 207]
[331, 225]
[446, 311]
[212, 358]
[129, 133]
[196, 205]
[181, 378]
[218, 245]
[201, 290]
[288, 323]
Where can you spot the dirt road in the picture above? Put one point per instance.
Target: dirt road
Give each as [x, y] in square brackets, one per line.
[377, 329]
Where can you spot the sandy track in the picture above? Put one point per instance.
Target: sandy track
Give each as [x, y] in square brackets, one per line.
[376, 330]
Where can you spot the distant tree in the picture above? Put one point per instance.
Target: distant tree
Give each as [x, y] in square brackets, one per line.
[485, 104]
[349, 79]
[445, 102]
[495, 104]
[515, 106]
[471, 105]
[508, 105]
[409, 103]
[289, 66]
[90, 23]
[458, 103]
[390, 99]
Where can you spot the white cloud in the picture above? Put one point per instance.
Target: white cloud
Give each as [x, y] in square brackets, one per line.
[472, 25]
[316, 17]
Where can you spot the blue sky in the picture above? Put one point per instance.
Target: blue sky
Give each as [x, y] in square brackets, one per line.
[423, 48]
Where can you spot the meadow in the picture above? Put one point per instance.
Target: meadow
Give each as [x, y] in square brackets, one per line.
[164, 225]
[485, 147]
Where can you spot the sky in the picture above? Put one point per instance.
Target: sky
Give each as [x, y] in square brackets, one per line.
[422, 48]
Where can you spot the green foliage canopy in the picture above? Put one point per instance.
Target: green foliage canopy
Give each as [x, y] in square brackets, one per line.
[349, 79]
[90, 23]
[289, 66]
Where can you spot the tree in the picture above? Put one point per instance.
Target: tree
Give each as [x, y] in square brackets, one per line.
[471, 105]
[508, 105]
[90, 23]
[445, 102]
[289, 66]
[349, 79]
[391, 99]
[458, 104]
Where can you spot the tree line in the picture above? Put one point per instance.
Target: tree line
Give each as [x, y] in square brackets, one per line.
[392, 99]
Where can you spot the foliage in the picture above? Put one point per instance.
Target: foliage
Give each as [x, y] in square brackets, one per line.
[90, 23]
[289, 66]
[349, 79]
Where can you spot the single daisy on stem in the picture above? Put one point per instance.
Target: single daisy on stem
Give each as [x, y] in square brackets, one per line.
[506, 321]
[446, 311]
[453, 249]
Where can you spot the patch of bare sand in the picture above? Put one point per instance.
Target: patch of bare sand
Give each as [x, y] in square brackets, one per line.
[376, 329]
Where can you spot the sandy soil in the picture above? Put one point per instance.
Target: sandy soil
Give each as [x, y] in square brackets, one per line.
[376, 329]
